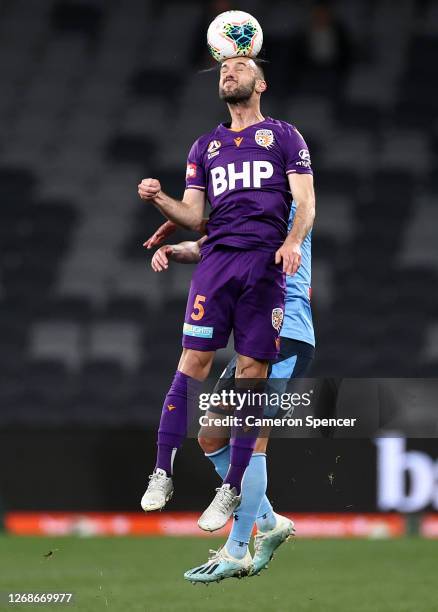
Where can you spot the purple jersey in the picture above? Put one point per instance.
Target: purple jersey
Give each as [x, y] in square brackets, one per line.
[245, 176]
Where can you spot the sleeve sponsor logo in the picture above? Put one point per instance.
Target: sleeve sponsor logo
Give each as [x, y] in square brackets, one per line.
[304, 158]
[191, 171]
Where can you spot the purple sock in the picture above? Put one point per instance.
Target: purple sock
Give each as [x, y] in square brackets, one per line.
[173, 422]
[243, 441]
[240, 456]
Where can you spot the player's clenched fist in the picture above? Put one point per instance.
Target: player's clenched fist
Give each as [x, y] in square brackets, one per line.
[149, 188]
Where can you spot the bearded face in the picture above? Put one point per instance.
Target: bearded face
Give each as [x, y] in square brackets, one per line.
[233, 92]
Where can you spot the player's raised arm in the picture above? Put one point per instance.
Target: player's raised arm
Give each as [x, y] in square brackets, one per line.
[187, 213]
[301, 186]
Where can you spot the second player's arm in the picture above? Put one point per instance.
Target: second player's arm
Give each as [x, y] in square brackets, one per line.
[165, 230]
[301, 186]
[187, 252]
[184, 252]
[187, 213]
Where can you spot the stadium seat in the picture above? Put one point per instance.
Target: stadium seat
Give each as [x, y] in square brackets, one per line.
[69, 308]
[125, 308]
[134, 149]
[57, 340]
[119, 341]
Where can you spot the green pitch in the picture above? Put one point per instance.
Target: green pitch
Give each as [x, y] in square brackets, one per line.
[145, 574]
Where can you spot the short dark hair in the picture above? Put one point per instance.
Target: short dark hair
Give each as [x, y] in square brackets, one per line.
[260, 63]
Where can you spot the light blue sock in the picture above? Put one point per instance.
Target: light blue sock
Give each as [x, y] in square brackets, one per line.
[265, 516]
[253, 489]
[221, 460]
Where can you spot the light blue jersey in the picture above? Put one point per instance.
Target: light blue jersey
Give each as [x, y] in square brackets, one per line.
[298, 324]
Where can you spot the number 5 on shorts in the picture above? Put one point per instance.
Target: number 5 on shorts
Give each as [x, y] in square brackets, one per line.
[198, 308]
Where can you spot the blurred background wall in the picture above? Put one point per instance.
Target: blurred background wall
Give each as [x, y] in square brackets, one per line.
[96, 95]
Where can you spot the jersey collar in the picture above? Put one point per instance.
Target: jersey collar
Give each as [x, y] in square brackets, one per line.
[226, 126]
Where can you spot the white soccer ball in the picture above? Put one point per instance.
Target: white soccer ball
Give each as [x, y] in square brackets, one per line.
[234, 33]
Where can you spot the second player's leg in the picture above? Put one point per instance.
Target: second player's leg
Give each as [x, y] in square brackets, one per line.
[248, 367]
[273, 529]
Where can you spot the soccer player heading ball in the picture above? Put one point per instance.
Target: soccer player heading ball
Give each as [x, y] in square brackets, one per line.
[248, 169]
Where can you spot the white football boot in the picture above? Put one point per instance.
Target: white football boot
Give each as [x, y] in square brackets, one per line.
[159, 491]
[225, 502]
[266, 542]
[219, 566]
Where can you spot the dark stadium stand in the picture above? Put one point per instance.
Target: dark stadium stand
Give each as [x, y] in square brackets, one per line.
[97, 95]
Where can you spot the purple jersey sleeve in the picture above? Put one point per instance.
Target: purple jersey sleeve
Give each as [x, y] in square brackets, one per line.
[195, 173]
[296, 152]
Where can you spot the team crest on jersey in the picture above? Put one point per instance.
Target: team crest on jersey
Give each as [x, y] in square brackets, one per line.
[191, 171]
[213, 148]
[277, 318]
[264, 138]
